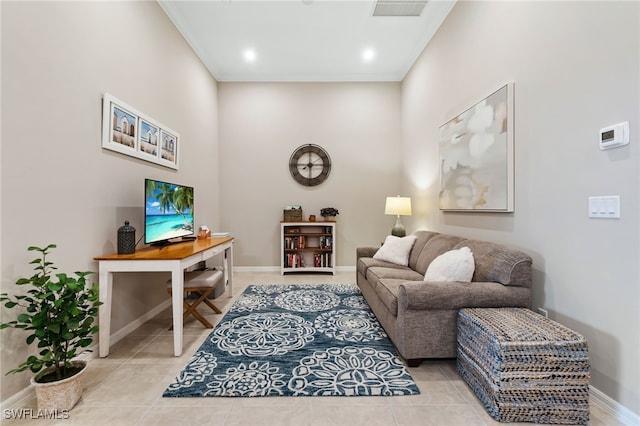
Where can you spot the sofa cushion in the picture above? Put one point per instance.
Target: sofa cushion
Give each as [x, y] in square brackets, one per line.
[453, 265]
[421, 240]
[387, 291]
[385, 282]
[434, 247]
[396, 249]
[364, 263]
[402, 273]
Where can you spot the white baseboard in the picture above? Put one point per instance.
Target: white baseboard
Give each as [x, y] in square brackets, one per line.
[25, 395]
[256, 269]
[20, 399]
[127, 329]
[277, 269]
[345, 268]
[614, 408]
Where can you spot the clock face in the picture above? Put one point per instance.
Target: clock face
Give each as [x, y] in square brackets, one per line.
[310, 165]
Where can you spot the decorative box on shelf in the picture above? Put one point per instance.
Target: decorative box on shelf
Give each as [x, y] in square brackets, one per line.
[292, 215]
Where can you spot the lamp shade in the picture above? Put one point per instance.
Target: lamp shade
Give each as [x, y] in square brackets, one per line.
[400, 206]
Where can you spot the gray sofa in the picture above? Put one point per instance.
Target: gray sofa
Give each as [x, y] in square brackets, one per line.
[419, 316]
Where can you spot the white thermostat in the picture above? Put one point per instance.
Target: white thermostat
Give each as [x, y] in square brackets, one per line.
[614, 136]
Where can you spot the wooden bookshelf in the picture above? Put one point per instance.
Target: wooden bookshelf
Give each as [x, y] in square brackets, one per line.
[307, 246]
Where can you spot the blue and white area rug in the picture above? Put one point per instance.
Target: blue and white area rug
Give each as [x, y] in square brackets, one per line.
[296, 340]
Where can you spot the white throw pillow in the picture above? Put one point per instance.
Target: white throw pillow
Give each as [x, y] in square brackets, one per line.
[396, 249]
[454, 265]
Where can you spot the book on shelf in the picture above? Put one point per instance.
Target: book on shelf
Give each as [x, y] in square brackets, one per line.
[326, 242]
[322, 260]
[294, 260]
[295, 242]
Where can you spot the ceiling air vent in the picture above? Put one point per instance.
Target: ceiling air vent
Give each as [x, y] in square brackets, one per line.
[399, 7]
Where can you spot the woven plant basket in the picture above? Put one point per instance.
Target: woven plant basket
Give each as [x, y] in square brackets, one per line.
[60, 395]
[293, 215]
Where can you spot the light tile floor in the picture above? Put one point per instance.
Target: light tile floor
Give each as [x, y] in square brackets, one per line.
[126, 387]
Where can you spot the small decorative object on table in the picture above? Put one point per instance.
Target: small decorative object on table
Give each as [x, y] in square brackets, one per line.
[312, 218]
[329, 213]
[126, 239]
[204, 232]
[293, 214]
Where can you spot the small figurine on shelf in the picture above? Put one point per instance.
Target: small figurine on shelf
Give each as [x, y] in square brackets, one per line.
[329, 213]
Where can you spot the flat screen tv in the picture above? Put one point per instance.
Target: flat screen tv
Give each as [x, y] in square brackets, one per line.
[168, 212]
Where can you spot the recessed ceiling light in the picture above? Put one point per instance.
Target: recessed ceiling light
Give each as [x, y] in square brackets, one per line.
[249, 55]
[368, 54]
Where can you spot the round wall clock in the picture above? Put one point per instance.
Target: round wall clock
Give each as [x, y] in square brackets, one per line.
[310, 165]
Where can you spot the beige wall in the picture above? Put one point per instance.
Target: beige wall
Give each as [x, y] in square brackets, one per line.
[575, 68]
[261, 124]
[58, 184]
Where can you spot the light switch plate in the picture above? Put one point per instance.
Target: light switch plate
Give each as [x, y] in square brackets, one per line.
[606, 207]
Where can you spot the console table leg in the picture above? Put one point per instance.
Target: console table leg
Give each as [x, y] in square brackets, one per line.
[177, 280]
[105, 285]
[228, 267]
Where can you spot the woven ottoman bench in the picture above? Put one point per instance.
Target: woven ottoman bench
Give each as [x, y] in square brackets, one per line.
[524, 367]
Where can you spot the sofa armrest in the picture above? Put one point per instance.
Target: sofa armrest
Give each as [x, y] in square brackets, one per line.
[365, 252]
[435, 295]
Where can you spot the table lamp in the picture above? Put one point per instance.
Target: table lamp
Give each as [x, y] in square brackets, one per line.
[399, 206]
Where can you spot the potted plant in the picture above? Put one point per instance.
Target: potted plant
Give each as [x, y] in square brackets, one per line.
[60, 313]
[329, 213]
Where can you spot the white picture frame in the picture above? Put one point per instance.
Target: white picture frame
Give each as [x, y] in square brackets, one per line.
[128, 131]
[148, 138]
[476, 150]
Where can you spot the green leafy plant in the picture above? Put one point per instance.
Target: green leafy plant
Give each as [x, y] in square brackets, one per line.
[60, 311]
[329, 211]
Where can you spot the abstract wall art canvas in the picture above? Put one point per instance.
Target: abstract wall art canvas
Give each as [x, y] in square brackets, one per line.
[476, 156]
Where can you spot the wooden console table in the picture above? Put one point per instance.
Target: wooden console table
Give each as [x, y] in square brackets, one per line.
[174, 258]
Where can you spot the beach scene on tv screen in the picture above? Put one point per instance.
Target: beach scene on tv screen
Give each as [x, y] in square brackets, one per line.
[169, 211]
